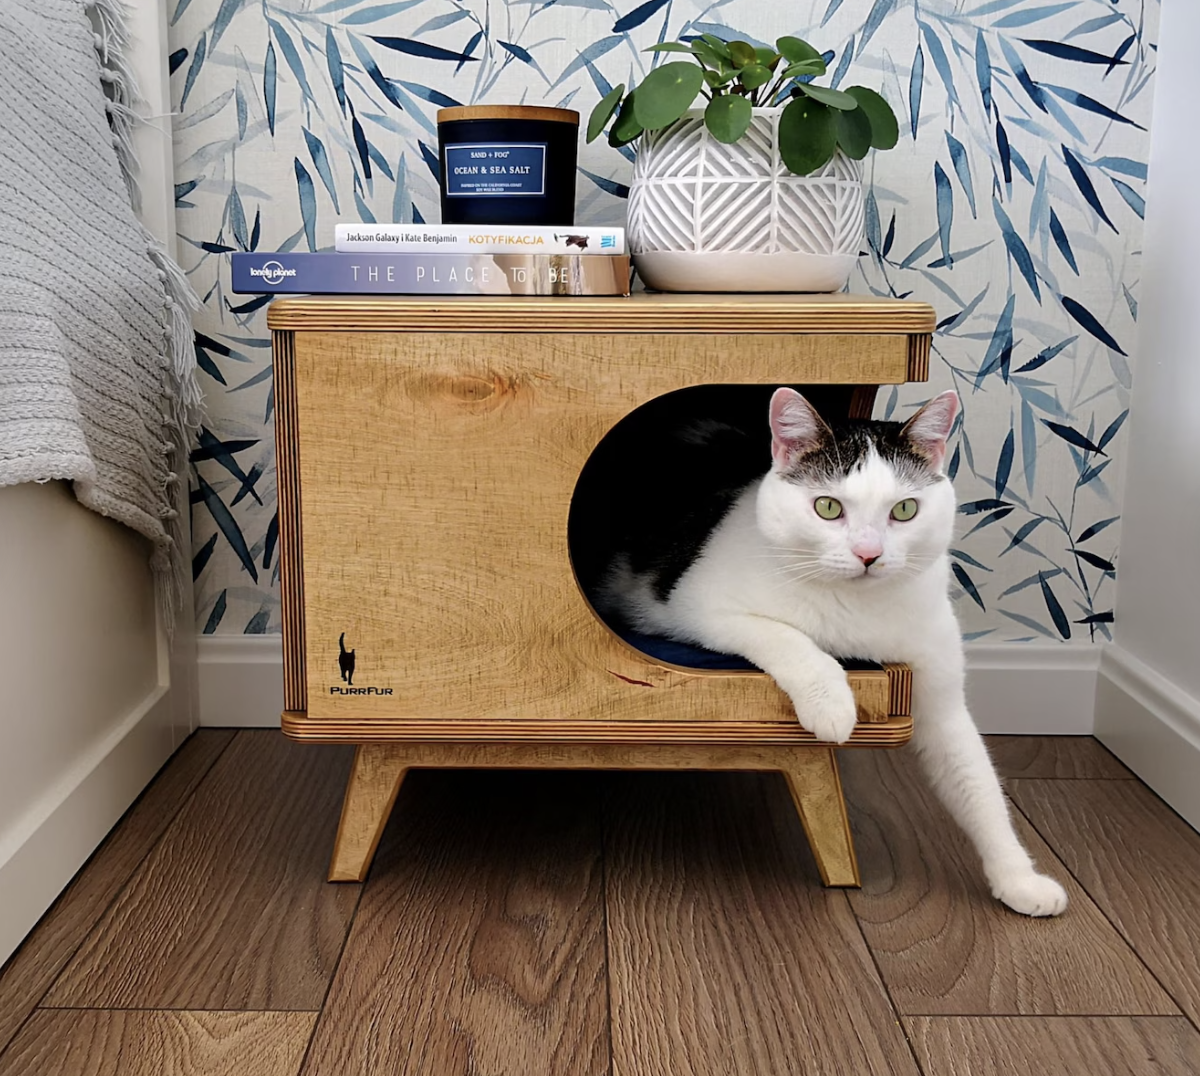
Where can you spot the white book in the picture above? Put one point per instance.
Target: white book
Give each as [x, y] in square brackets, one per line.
[476, 239]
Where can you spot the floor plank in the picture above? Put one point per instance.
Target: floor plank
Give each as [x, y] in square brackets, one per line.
[1139, 861]
[231, 910]
[31, 970]
[1063, 1046]
[478, 947]
[726, 956]
[108, 1042]
[944, 945]
[1064, 757]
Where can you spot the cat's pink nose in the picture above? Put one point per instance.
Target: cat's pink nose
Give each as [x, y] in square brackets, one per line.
[867, 552]
[868, 561]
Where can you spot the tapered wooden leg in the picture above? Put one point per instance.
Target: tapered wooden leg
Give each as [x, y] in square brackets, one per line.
[370, 793]
[812, 777]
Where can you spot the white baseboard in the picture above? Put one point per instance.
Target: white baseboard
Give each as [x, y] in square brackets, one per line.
[48, 844]
[1152, 726]
[1021, 688]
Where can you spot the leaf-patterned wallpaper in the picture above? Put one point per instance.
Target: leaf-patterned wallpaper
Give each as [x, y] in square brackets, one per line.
[1013, 204]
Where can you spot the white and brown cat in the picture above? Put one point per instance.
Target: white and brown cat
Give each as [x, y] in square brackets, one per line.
[839, 548]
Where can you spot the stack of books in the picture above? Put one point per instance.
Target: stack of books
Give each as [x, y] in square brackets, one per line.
[449, 259]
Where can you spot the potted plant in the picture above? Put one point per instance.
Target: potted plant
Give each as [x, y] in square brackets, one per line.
[759, 189]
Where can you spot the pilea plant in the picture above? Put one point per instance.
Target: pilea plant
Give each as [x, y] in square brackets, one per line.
[735, 77]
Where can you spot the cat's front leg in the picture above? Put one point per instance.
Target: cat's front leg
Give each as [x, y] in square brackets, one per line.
[814, 681]
[956, 763]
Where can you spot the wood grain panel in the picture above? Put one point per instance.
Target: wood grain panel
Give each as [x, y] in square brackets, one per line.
[478, 946]
[1138, 860]
[31, 970]
[288, 437]
[1064, 757]
[944, 945]
[437, 473]
[725, 955]
[231, 910]
[88, 1042]
[638, 313]
[1064, 1046]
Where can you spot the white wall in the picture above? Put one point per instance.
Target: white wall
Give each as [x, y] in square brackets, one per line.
[1148, 705]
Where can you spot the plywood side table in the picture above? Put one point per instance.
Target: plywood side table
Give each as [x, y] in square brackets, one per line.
[427, 452]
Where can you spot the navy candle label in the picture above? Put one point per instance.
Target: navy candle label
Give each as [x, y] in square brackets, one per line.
[496, 169]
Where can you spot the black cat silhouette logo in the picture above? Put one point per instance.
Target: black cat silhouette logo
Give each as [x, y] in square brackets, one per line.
[345, 660]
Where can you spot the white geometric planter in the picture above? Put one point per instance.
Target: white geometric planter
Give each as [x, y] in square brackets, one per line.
[706, 216]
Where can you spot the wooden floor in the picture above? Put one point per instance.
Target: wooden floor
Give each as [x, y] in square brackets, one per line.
[556, 924]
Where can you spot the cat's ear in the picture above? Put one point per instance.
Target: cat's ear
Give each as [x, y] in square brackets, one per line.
[928, 429]
[795, 427]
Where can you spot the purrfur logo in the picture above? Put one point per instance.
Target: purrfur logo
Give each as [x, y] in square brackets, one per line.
[272, 273]
[346, 662]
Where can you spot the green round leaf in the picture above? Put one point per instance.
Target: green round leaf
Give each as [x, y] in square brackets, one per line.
[832, 98]
[625, 128]
[754, 75]
[670, 46]
[807, 135]
[721, 47]
[742, 53]
[805, 67]
[666, 94]
[885, 132]
[717, 79]
[706, 54]
[853, 132]
[794, 50]
[603, 111]
[767, 57]
[727, 117]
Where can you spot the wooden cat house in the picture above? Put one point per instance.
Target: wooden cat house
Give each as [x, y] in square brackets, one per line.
[428, 451]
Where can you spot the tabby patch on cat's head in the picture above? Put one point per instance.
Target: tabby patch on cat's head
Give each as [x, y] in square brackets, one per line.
[809, 450]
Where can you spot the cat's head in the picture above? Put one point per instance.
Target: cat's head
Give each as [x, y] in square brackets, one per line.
[857, 500]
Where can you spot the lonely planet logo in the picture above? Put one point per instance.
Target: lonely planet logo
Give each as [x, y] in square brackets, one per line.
[272, 273]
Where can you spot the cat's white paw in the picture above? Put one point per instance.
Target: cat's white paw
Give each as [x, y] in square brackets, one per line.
[827, 708]
[1032, 894]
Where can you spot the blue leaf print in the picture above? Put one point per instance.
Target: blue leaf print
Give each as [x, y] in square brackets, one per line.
[609, 185]
[987, 521]
[225, 12]
[524, 56]
[1097, 618]
[263, 375]
[1046, 355]
[227, 525]
[1001, 342]
[890, 238]
[589, 55]
[966, 558]
[1072, 436]
[967, 583]
[1132, 198]
[431, 161]
[1071, 52]
[962, 168]
[1090, 104]
[200, 560]
[258, 623]
[469, 51]
[180, 8]
[440, 22]
[364, 212]
[308, 203]
[316, 150]
[973, 508]
[1096, 528]
[420, 48]
[1017, 249]
[1112, 429]
[1018, 162]
[1024, 18]
[194, 69]
[879, 11]
[1004, 464]
[292, 57]
[945, 210]
[871, 220]
[1130, 302]
[843, 64]
[242, 114]
[217, 614]
[175, 60]
[829, 11]
[360, 144]
[983, 72]
[1005, 150]
[1028, 445]
[1018, 68]
[248, 482]
[333, 57]
[237, 218]
[1124, 165]
[434, 97]
[1087, 320]
[1023, 532]
[1061, 241]
[1056, 610]
[1084, 183]
[916, 82]
[401, 204]
[1092, 473]
[376, 13]
[269, 86]
[638, 15]
[938, 54]
[416, 215]
[270, 540]
[1028, 622]
[919, 251]
[1094, 560]
[1092, 25]
[952, 469]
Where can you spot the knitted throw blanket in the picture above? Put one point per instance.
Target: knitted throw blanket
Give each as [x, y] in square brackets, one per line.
[96, 362]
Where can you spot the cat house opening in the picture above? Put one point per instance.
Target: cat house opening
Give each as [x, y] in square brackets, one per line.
[660, 480]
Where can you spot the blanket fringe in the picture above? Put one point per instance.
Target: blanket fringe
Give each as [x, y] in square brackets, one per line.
[171, 560]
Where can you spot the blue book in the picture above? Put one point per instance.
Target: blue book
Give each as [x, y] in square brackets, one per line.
[430, 274]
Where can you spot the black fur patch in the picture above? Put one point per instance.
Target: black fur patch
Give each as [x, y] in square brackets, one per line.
[851, 441]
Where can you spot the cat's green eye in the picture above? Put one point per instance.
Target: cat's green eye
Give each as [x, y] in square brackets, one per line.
[904, 510]
[828, 508]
